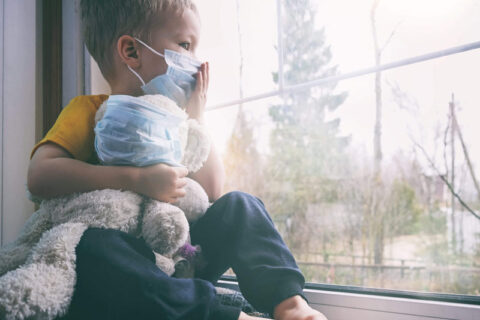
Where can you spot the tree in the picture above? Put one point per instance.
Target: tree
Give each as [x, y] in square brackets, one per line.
[377, 215]
[243, 162]
[306, 150]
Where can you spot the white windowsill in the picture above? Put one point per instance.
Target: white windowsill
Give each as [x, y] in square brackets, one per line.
[339, 306]
[348, 306]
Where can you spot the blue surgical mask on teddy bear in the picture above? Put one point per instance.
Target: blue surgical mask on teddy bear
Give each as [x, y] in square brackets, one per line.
[178, 82]
[135, 132]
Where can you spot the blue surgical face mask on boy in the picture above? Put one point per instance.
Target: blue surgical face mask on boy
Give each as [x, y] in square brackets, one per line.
[178, 82]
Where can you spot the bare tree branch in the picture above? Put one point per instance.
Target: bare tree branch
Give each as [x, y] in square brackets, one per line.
[446, 181]
[445, 143]
[392, 34]
[402, 99]
[467, 157]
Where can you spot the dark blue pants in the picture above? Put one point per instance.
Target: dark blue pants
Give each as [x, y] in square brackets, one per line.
[117, 277]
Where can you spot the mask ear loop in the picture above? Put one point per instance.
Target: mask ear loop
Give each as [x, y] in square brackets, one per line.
[153, 50]
[136, 74]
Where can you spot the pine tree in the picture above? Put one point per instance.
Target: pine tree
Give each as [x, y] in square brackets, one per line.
[306, 149]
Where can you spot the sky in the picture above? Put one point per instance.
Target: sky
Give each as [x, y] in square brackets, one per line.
[421, 26]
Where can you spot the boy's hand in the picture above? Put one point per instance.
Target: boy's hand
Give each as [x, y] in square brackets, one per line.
[296, 308]
[244, 316]
[161, 182]
[195, 106]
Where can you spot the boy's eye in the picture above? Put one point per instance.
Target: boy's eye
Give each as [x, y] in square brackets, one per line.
[185, 45]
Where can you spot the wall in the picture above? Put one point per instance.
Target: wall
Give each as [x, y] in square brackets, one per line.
[18, 68]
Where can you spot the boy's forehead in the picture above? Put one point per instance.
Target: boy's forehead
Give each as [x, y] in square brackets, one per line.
[185, 23]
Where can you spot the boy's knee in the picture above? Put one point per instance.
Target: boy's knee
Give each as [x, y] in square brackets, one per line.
[238, 204]
[236, 197]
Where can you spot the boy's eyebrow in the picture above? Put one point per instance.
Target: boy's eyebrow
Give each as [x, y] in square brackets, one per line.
[190, 35]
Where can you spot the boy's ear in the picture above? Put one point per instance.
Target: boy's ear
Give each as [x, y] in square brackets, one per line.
[128, 50]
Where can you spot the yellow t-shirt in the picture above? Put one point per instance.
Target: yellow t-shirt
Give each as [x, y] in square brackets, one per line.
[73, 129]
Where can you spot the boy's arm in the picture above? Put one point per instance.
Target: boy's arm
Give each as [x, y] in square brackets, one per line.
[212, 175]
[53, 172]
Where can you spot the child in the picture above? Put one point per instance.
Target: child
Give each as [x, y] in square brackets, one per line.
[116, 273]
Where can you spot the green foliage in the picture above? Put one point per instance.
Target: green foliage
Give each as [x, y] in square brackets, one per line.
[403, 209]
[243, 163]
[433, 223]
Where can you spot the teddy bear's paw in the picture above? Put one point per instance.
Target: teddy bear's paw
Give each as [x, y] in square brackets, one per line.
[165, 264]
[12, 256]
[195, 202]
[198, 146]
[15, 253]
[36, 291]
[184, 269]
[164, 227]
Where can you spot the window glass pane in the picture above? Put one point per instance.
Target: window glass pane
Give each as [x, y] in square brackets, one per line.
[310, 157]
[239, 39]
[404, 29]
[405, 241]
[242, 136]
[220, 47]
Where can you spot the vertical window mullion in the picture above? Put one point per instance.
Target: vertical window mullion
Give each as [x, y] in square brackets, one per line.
[280, 46]
[1, 123]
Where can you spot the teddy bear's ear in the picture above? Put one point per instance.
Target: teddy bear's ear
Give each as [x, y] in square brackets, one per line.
[101, 111]
[198, 146]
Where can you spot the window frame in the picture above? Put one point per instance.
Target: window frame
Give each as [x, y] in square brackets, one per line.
[345, 76]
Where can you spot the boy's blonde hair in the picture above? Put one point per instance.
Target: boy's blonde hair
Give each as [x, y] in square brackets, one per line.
[104, 21]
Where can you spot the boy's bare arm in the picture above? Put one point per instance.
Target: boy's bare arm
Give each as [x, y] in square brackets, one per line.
[211, 176]
[53, 172]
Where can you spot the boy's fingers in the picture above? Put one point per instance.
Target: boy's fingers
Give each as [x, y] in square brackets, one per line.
[199, 88]
[179, 193]
[181, 182]
[198, 83]
[207, 76]
[181, 171]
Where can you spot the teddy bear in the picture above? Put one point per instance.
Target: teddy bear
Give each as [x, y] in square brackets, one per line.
[37, 270]
[194, 147]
